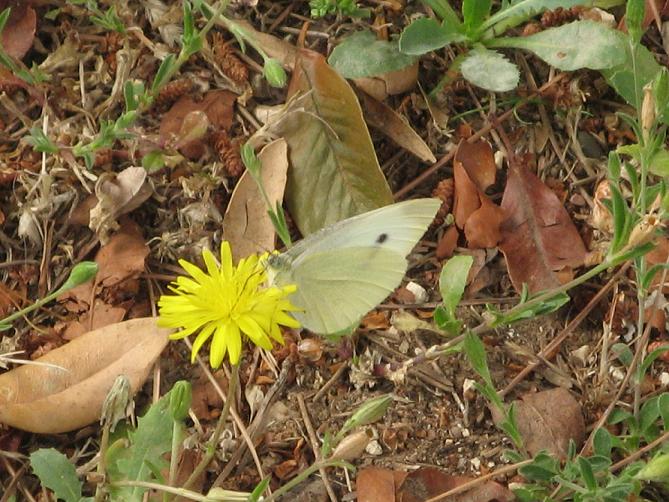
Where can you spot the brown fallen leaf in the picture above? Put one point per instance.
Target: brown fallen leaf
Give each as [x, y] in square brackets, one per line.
[64, 390]
[482, 229]
[428, 482]
[374, 484]
[246, 224]
[389, 122]
[538, 237]
[548, 420]
[218, 107]
[19, 32]
[466, 197]
[103, 315]
[448, 242]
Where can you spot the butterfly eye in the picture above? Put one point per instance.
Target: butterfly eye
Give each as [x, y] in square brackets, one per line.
[382, 238]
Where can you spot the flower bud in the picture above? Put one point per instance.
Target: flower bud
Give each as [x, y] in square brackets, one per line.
[274, 73]
[656, 470]
[351, 447]
[370, 411]
[647, 111]
[118, 404]
[180, 400]
[643, 232]
[81, 273]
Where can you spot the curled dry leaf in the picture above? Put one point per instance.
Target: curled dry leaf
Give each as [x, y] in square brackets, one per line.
[548, 420]
[389, 122]
[64, 390]
[17, 36]
[428, 482]
[246, 224]
[538, 237]
[275, 47]
[117, 194]
[217, 106]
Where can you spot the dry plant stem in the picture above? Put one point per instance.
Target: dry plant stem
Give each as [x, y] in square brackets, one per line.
[551, 349]
[321, 392]
[11, 487]
[304, 475]
[314, 446]
[100, 491]
[220, 426]
[480, 480]
[476, 136]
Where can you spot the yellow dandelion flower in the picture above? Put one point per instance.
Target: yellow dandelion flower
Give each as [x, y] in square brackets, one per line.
[225, 302]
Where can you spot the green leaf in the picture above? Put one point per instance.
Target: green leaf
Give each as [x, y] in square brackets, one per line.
[614, 166]
[586, 473]
[490, 70]
[57, 474]
[602, 442]
[650, 412]
[162, 75]
[659, 163]
[475, 351]
[663, 403]
[332, 157]
[634, 14]
[521, 311]
[637, 69]
[581, 44]
[380, 56]
[444, 10]
[4, 16]
[453, 280]
[148, 444]
[474, 13]
[426, 34]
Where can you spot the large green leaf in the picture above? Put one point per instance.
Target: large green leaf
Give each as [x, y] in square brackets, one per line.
[490, 70]
[57, 474]
[636, 70]
[581, 44]
[334, 173]
[426, 34]
[148, 444]
[380, 56]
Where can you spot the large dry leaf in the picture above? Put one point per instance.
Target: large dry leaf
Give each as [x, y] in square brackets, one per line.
[548, 420]
[19, 32]
[389, 122]
[334, 173]
[246, 224]
[65, 391]
[428, 482]
[538, 237]
[275, 47]
[478, 160]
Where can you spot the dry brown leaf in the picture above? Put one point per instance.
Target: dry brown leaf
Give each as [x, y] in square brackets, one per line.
[466, 196]
[19, 32]
[659, 255]
[217, 105]
[448, 242]
[538, 236]
[428, 482]
[117, 194]
[103, 315]
[246, 224]
[478, 160]
[548, 420]
[275, 47]
[121, 260]
[65, 390]
[389, 122]
[482, 229]
[374, 484]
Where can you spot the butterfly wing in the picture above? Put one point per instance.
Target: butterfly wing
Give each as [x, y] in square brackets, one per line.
[396, 227]
[337, 287]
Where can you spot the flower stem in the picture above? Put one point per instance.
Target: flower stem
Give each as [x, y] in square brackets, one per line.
[220, 426]
[230, 496]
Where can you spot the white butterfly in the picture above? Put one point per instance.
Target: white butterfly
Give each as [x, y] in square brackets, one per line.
[345, 270]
